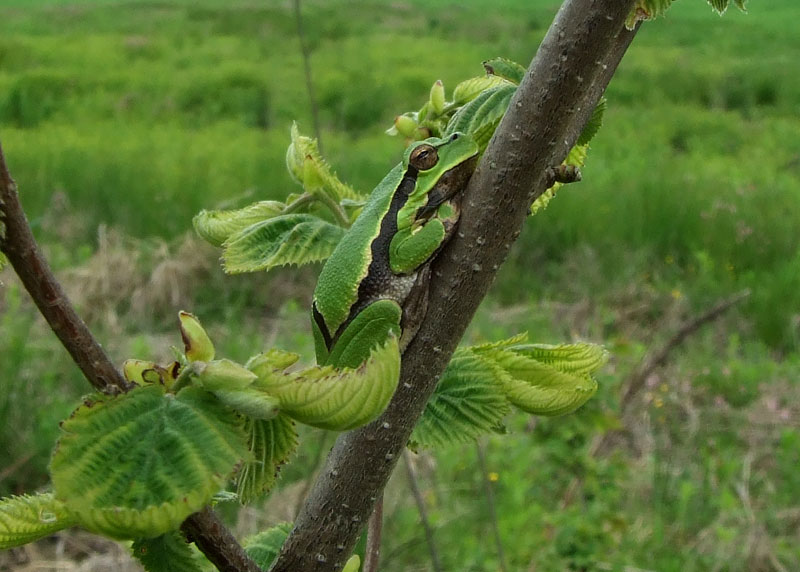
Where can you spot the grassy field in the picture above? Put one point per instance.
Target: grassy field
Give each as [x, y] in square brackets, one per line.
[120, 120]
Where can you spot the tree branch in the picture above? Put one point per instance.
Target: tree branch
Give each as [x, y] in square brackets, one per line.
[553, 103]
[19, 246]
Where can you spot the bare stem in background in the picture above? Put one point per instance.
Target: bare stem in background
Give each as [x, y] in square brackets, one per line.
[17, 243]
[307, 69]
[480, 447]
[372, 554]
[423, 512]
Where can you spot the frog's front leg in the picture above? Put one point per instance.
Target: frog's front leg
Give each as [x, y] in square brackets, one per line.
[410, 248]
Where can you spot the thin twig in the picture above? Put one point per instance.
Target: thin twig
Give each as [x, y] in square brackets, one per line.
[480, 446]
[423, 512]
[658, 357]
[372, 554]
[213, 538]
[23, 253]
[636, 381]
[307, 69]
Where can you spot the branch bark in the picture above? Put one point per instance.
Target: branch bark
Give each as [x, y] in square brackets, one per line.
[20, 247]
[570, 71]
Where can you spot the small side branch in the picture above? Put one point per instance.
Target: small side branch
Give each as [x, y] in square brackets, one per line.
[211, 536]
[17, 243]
[19, 246]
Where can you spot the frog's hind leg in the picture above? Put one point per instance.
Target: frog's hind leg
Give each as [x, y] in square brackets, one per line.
[371, 326]
[415, 307]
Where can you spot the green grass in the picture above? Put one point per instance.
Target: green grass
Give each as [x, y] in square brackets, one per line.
[135, 115]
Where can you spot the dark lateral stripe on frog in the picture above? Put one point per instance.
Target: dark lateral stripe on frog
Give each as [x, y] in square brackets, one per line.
[379, 272]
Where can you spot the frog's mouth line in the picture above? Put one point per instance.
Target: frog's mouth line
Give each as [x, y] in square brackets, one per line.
[451, 182]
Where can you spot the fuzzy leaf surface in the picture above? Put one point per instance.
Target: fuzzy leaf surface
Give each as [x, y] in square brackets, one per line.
[329, 398]
[167, 553]
[287, 239]
[264, 546]
[468, 402]
[26, 518]
[481, 116]
[138, 464]
[218, 226]
[271, 443]
[506, 69]
[307, 167]
[547, 380]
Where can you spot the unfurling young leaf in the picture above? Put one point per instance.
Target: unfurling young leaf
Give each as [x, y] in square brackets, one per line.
[546, 380]
[468, 402]
[481, 116]
[218, 226]
[469, 89]
[26, 518]
[328, 398]
[271, 442]
[287, 239]
[307, 167]
[136, 465]
[167, 553]
[264, 546]
[506, 69]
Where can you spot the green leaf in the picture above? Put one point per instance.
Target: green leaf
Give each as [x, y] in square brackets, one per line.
[469, 89]
[506, 69]
[217, 226]
[468, 402]
[307, 167]
[26, 518]
[250, 402]
[547, 380]
[481, 116]
[594, 123]
[136, 465]
[333, 399]
[264, 546]
[287, 239]
[271, 442]
[167, 553]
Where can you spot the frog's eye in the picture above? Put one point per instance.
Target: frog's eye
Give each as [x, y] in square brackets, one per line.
[424, 157]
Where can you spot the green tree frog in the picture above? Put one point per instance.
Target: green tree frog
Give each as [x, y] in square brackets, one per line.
[375, 283]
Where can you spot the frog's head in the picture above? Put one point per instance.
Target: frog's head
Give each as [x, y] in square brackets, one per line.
[443, 166]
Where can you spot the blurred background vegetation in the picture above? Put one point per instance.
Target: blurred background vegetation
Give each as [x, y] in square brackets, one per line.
[120, 120]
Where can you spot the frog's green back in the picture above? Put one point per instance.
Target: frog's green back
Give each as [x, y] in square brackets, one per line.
[337, 287]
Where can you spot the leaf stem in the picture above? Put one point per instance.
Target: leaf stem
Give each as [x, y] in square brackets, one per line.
[309, 198]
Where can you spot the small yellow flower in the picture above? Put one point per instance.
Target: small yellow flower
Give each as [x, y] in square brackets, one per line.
[658, 402]
[494, 477]
[664, 387]
[676, 293]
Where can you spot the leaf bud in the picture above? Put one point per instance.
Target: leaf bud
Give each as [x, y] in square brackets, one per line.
[437, 97]
[198, 346]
